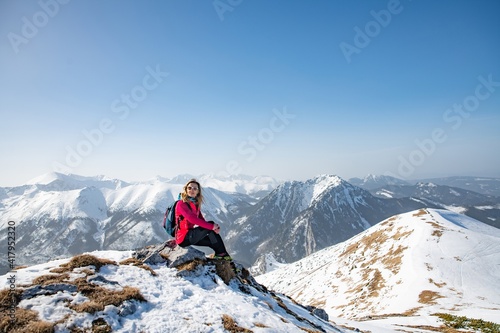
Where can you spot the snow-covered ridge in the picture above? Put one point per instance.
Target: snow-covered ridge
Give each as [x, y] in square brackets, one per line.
[56, 193]
[59, 181]
[234, 183]
[58, 215]
[36, 205]
[416, 263]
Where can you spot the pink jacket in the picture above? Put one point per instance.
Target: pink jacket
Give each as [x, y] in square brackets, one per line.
[191, 218]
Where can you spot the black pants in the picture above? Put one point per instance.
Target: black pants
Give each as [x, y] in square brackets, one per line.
[204, 237]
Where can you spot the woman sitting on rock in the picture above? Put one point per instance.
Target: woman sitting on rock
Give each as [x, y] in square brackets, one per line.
[193, 228]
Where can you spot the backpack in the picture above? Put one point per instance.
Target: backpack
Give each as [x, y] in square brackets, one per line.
[170, 224]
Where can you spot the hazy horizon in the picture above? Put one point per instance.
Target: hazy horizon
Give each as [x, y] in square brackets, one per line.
[288, 89]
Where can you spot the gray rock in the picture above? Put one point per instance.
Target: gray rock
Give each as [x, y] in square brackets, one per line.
[127, 308]
[48, 290]
[180, 255]
[169, 253]
[100, 280]
[318, 312]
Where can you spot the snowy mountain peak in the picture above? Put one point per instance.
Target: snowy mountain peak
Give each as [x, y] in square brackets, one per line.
[306, 192]
[323, 183]
[329, 180]
[50, 177]
[55, 181]
[425, 184]
[371, 177]
[45, 179]
[300, 217]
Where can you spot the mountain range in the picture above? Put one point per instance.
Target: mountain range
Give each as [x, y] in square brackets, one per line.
[483, 205]
[60, 215]
[299, 218]
[421, 271]
[483, 185]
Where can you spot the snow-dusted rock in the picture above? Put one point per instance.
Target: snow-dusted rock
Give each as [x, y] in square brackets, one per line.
[169, 253]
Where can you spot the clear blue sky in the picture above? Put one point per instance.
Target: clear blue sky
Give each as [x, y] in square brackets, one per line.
[290, 89]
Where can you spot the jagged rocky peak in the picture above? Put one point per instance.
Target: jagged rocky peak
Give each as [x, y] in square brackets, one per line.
[331, 180]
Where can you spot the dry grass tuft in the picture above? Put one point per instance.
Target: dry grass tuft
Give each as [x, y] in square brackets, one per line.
[99, 325]
[137, 263]
[439, 285]
[428, 297]
[59, 270]
[9, 298]
[231, 325]
[393, 259]
[224, 270]
[190, 266]
[389, 221]
[25, 321]
[100, 297]
[421, 212]
[438, 229]
[131, 261]
[411, 312]
[84, 260]
[376, 284]
[45, 280]
[20, 267]
[437, 233]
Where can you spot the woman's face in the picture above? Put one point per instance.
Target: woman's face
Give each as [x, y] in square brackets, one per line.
[192, 190]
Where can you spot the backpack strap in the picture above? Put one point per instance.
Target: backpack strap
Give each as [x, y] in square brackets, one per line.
[180, 216]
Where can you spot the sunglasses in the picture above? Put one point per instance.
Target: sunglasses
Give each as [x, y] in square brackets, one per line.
[194, 188]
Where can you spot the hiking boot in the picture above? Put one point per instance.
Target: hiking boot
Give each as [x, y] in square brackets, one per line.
[226, 257]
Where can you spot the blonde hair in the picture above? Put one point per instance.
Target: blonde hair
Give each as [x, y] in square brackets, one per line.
[199, 196]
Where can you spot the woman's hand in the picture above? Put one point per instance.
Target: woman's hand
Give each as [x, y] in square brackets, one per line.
[216, 228]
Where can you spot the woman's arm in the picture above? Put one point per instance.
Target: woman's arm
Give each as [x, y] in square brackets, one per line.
[183, 209]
